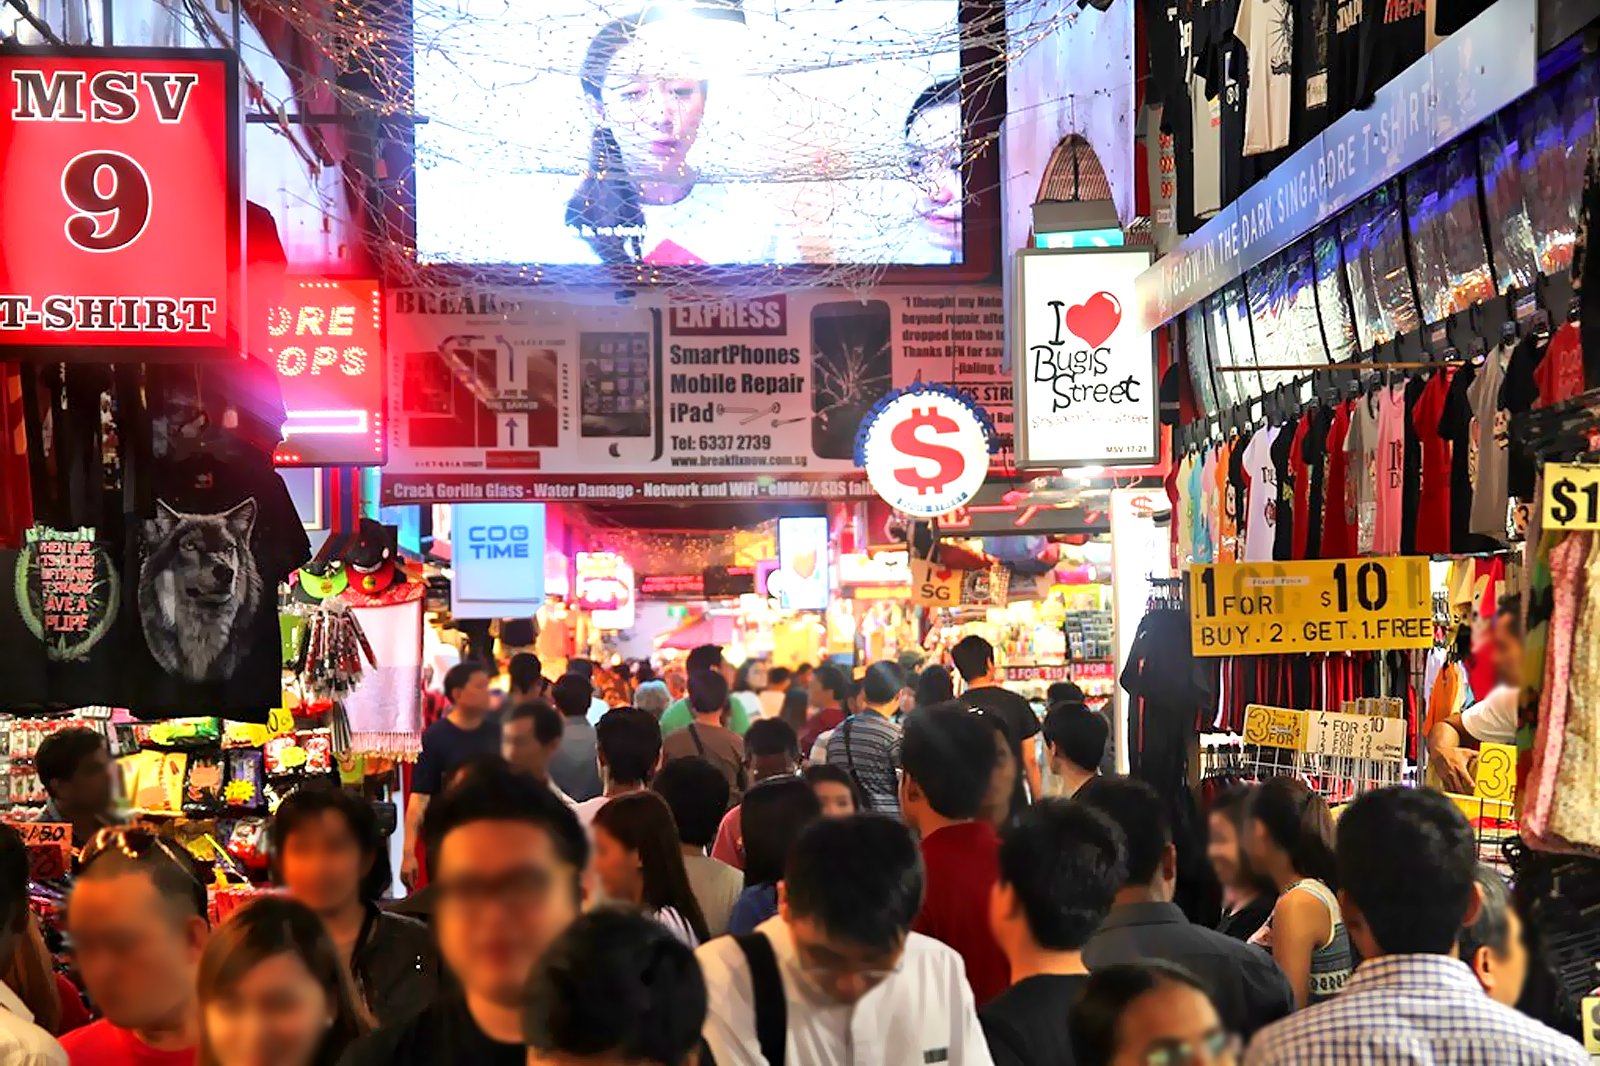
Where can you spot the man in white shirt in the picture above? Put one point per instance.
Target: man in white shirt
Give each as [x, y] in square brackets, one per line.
[21, 1042]
[837, 978]
[1453, 743]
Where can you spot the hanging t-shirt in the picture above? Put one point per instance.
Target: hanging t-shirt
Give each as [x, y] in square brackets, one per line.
[1457, 427]
[1200, 538]
[1227, 515]
[1560, 372]
[1262, 501]
[1182, 510]
[1338, 523]
[1313, 50]
[1226, 70]
[1487, 462]
[1309, 488]
[1291, 473]
[1519, 393]
[1435, 505]
[1394, 36]
[1586, 265]
[1389, 510]
[1266, 27]
[1239, 492]
[1198, 135]
[212, 552]
[1361, 451]
[1210, 504]
[1411, 479]
[1344, 56]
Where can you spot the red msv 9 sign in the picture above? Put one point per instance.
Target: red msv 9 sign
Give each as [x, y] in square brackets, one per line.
[119, 203]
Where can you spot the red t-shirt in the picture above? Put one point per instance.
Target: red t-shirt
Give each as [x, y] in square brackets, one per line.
[1338, 532]
[1433, 500]
[1560, 372]
[103, 1044]
[1300, 531]
[819, 723]
[963, 864]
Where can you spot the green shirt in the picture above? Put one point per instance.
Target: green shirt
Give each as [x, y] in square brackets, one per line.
[677, 715]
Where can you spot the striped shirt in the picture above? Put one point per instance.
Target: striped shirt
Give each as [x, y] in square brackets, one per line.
[1412, 1010]
[867, 747]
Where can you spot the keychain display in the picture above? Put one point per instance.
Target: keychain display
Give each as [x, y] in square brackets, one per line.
[333, 653]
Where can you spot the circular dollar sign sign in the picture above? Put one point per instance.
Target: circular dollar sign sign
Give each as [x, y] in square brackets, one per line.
[925, 450]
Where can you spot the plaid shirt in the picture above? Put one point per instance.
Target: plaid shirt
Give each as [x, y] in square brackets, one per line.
[1412, 1010]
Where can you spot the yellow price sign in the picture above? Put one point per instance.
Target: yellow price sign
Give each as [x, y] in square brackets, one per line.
[280, 720]
[1276, 727]
[1591, 1024]
[1496, 775]
[1571, 496]
[1309, 606]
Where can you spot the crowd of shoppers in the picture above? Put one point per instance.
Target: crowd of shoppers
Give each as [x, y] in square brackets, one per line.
[954, 925]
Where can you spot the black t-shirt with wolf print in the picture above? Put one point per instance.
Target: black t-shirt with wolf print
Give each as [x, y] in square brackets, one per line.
[210, 557]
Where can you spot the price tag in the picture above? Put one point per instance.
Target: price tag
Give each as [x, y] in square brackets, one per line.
[1309, 606]
[1571, 496]
[1497, 772]
[1275, 727]
[1357, 736]
[280, 720]
[1591, 1024]
[49, 849]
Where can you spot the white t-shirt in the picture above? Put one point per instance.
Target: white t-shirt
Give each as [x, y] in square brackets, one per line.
[1493, 719]
[1261, 503]
[1267, 29]
[923, 1013]
[23, 1043]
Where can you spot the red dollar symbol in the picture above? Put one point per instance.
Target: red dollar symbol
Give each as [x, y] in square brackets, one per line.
[905, 440]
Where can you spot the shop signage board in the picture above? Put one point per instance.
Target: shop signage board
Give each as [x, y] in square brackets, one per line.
[605, 588]
[324, 338]
[1571, 496]
[497, 560]
[501, 395]
[925, 450]
[801, 581]
[1085, 368]
[119, 183]
[1310, 606]
[1425, 107]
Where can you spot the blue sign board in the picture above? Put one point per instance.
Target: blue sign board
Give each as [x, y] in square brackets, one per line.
[496, 559]
[1465, 80]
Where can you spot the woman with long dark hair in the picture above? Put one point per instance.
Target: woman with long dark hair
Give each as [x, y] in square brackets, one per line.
[638, 860]
[774, 813]
[1290, 841]
[640, 199]
[1247, 896]
[273, 989]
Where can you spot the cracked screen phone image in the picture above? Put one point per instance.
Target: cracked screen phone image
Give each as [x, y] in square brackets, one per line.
[850, 371]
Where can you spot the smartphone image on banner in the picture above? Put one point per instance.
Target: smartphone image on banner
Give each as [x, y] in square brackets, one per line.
[851, 369]
[616, 376]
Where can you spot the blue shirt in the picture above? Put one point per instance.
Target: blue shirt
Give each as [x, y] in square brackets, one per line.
[754, 906]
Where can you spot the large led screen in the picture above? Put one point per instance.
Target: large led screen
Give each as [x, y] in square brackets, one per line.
[682, 133]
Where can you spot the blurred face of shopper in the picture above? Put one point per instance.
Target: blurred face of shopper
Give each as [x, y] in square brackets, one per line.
[322, 864]
[839, 969]
[618, 867]
[504, 895]
[933, 151]
[653, 107]
[1223, 850]
[1173, 1023]
[520, 747]
[836, 799]
[1507, 651]
[275, 1016]
[1503, 975]
[138, 955]
[474, 697]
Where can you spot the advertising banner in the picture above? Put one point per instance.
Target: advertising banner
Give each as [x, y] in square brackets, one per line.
[493, 549]
[504, 397]
[1085, 369]
[324, 338]
[119, 192]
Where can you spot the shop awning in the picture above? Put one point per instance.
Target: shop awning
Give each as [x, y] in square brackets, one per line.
[707, 629]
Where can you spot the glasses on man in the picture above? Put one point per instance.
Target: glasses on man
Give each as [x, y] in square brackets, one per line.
[1213, 1049]
[527, 886]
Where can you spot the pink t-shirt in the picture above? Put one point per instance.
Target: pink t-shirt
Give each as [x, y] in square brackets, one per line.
[103, 1044]
[1390, 470]
[729, 845]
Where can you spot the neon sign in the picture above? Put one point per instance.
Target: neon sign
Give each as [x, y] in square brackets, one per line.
[324, 339]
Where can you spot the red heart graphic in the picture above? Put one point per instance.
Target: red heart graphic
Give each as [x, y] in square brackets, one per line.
[1095, 319]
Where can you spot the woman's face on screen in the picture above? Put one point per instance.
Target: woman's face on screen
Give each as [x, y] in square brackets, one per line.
[653, 110]
[933, 154]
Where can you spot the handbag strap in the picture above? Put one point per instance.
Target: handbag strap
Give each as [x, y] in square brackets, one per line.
[766, 987]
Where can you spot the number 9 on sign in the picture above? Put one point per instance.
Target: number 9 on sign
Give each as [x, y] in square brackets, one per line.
[110, 195]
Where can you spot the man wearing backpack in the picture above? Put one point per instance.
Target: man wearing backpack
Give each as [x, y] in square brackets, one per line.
[838, 977]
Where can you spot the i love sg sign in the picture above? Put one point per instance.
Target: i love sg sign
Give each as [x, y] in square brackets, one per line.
[1085, 372]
